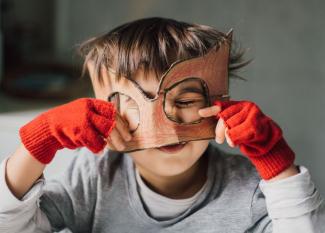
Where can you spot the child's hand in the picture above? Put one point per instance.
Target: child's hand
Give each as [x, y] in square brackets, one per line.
[243, 124]
[82, 122]
[119, 135]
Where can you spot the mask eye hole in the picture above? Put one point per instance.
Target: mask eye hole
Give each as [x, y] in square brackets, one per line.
[128, 108]
[184, 99]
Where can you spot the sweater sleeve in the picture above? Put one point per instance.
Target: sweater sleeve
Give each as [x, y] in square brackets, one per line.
[69, 200]
[64, 202]
[21, 215]
[293, 205]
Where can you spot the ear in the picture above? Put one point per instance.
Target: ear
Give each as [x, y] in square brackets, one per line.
[229, 35]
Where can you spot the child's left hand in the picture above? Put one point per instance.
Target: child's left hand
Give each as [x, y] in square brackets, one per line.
[243, 124]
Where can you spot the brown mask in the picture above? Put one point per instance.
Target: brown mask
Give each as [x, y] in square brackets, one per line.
[171, 116]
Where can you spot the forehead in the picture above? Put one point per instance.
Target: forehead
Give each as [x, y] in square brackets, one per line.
[148, 82]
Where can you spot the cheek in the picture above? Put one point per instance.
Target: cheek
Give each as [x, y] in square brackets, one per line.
[162, 164]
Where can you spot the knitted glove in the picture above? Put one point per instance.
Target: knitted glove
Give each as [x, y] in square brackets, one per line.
[257, 135]
[82, 122]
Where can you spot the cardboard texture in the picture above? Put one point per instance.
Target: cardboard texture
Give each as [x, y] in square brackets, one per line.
[155, 128]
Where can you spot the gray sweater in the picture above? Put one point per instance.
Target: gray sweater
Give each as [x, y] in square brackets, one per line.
[99, 194]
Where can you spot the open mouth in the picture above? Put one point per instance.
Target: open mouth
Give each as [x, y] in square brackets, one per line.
[173, 148]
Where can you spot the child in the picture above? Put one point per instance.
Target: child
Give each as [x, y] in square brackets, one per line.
[190, 186]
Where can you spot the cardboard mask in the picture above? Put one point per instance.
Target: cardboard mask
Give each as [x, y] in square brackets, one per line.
[171, 117]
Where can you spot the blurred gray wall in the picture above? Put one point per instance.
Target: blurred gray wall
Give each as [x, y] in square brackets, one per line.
[286, 39]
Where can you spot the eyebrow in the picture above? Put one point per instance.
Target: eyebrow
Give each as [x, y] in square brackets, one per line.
[191, 89]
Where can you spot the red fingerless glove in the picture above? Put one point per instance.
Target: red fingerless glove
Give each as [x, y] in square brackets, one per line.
[257, 136]
[82, 122]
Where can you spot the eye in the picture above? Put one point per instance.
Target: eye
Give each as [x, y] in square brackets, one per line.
[187, 103]
[182, 101]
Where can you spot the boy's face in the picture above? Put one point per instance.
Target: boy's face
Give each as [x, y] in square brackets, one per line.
[153, 160]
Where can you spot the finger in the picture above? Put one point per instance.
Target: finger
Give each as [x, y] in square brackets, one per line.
[102, 124]
[225, 104]
[117, 140]
[122, 127]
[220, 131]
[109, 144]
[209, 111]
[228, 139]
[239, 137]
[236, 119]
[93, 140]
[231, 111]
[104, 108]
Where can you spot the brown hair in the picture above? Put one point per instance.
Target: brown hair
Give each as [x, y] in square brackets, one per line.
[153, 44]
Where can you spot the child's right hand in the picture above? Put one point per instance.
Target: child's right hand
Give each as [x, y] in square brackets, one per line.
[82, 122]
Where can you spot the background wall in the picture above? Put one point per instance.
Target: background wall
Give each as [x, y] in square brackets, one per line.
[286, 39]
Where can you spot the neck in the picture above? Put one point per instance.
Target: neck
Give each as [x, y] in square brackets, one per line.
[181, 186]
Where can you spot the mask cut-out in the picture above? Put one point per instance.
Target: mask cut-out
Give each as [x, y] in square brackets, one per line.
[171, 116]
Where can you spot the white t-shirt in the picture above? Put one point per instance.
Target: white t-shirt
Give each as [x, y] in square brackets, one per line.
[159, 205]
